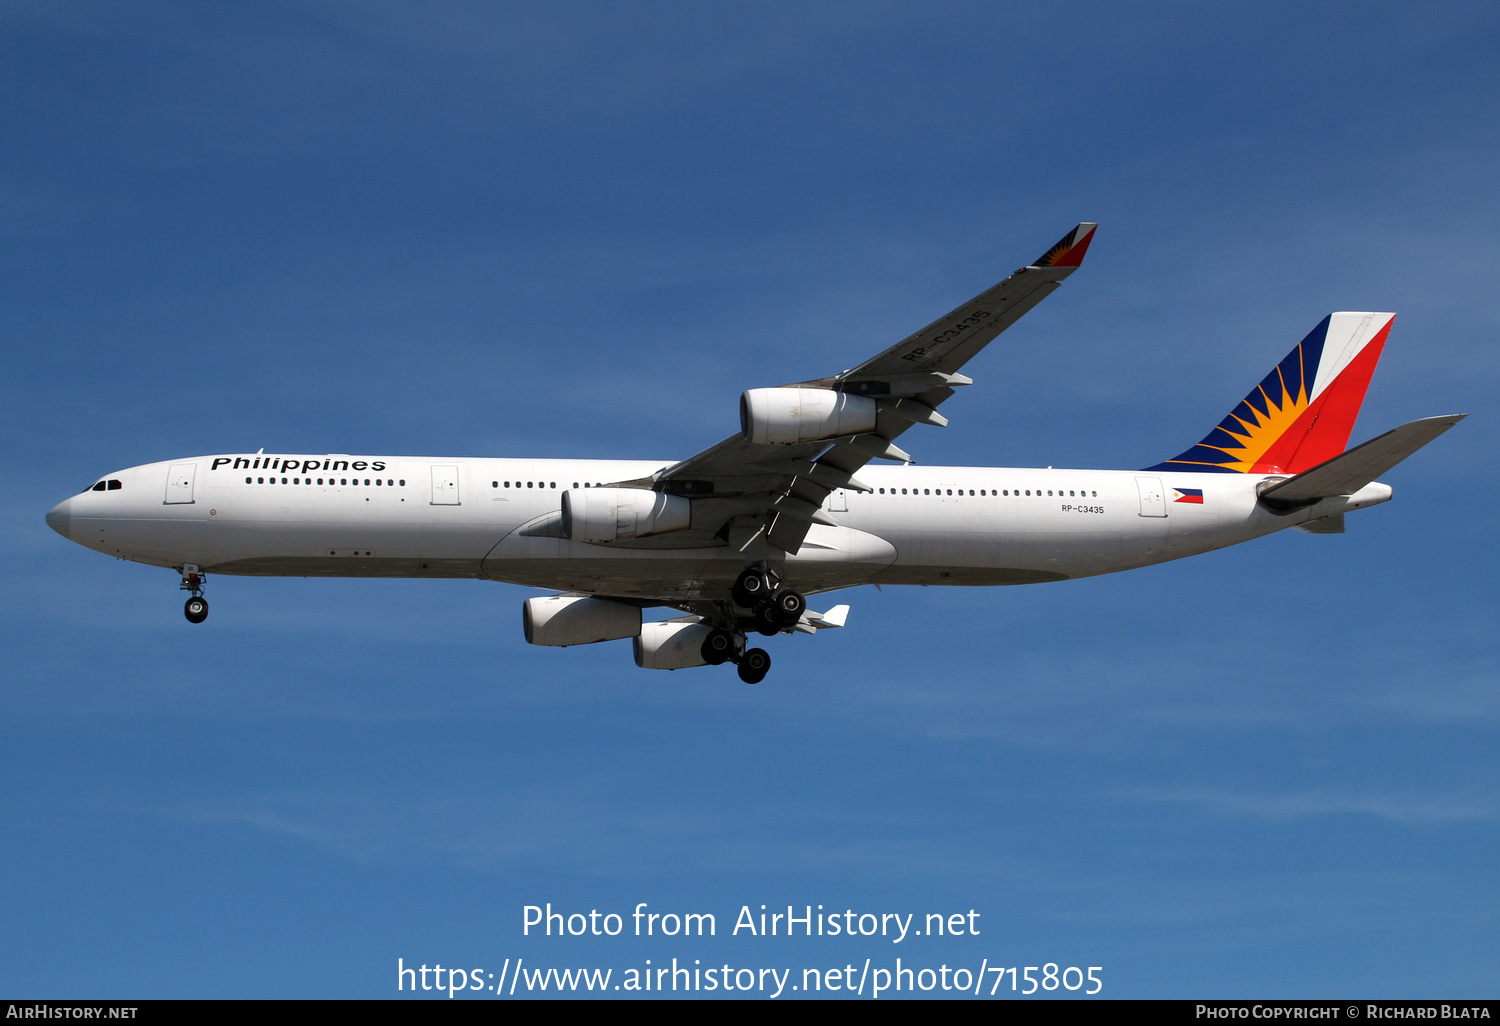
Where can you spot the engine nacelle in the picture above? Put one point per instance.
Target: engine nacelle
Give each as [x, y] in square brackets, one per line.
[562, 620]
[784, 416]
[670, 646]
[612, 514]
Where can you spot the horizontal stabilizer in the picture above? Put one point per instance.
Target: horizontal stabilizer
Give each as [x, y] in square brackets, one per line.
[1348, 473]
[1324, 525]
[835, 617]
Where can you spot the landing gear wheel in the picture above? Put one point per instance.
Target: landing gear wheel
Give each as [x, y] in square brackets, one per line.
[754, 665]
[768, 620]
[196, 609]
[718, 647]
[789, 606]
[749, 588]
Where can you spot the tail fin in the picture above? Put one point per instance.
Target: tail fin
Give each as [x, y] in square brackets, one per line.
[1301, 413]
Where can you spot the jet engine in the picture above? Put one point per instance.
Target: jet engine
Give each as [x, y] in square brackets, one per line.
[562, 620]
[784, 416]
[613, 514]
[671, 645]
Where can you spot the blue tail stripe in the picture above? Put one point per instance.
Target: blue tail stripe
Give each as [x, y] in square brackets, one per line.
[1292, 378]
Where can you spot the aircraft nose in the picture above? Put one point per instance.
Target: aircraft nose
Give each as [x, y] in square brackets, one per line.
[60, 517]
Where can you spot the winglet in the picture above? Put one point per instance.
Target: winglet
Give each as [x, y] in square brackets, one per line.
[1070, 248]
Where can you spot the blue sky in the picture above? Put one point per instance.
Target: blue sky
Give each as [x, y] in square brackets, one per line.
[581, 230]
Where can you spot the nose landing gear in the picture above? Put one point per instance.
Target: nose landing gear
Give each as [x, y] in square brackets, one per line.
[196, 608]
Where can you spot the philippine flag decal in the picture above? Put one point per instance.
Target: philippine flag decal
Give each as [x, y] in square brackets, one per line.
[1193, 495]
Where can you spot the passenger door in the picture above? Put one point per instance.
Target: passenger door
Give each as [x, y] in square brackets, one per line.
[180, 483]
[445, 486]
[1153, 497]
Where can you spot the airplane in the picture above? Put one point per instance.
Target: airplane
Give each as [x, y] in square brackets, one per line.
[737, 537]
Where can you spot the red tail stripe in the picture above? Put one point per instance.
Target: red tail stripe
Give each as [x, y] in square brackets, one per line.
[1322, 431]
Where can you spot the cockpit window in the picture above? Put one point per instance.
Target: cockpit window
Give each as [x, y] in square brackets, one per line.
[115, 486]
[96, 488]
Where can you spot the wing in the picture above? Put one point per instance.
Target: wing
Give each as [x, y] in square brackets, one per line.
[746, 491]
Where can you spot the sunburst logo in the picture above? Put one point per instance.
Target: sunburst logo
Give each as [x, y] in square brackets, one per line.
[1069, 250]
[1256, 426]
[1302, 412]
[1245, 442]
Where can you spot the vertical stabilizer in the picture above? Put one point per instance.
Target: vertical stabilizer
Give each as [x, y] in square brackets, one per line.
[1302, 412]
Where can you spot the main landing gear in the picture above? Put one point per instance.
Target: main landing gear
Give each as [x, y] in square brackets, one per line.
[196, 608]
[721, 646]
[724, 646]
[773, 609]
[754, 665]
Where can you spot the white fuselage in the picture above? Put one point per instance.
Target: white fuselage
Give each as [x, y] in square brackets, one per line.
[345, 516]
